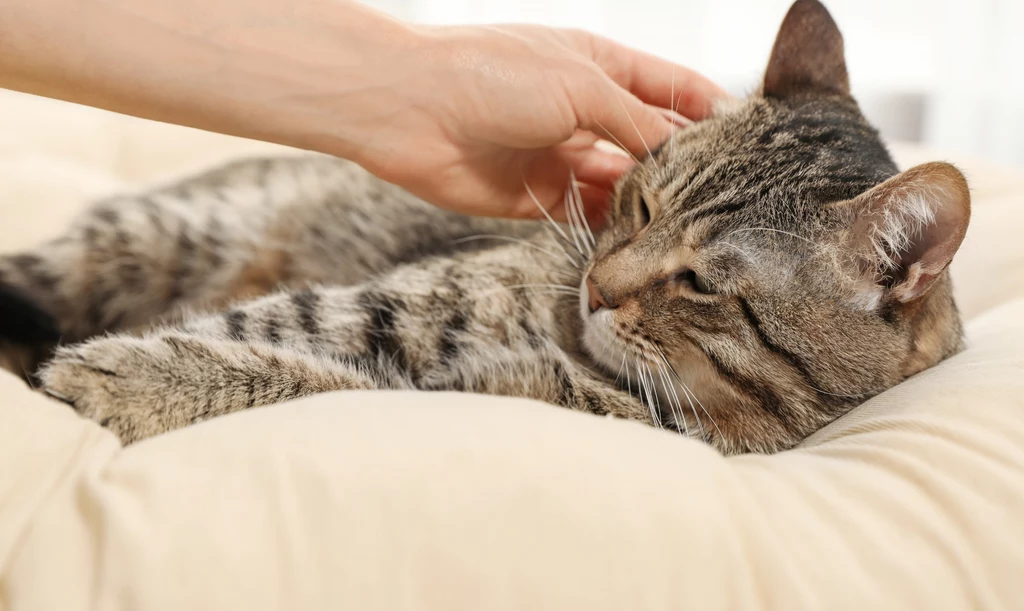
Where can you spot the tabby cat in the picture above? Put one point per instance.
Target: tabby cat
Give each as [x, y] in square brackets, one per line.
[760, 274]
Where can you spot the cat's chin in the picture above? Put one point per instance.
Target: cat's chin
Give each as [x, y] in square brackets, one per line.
[600, 341]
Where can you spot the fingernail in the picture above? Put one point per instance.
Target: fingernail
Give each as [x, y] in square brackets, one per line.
[611, 147]
[675, 118]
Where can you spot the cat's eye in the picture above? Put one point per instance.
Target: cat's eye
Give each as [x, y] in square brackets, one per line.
[695, 281]
[645, 212]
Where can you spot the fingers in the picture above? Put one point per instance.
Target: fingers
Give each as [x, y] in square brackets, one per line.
[592, 164]
[598, 167]
[596, 201]
[656, 81]
[547, 179]
[615, 114]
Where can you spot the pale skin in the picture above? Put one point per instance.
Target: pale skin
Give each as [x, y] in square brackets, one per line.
[460, 116]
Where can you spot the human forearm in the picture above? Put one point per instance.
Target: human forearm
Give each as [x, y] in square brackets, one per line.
[254, 68]
[465, 117]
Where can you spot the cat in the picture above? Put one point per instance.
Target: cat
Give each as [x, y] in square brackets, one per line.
[760, 274]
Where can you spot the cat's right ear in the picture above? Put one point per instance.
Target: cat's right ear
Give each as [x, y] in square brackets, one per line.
[808, 54]
[906, 230]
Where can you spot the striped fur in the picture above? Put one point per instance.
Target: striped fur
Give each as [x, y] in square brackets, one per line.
[746, 301]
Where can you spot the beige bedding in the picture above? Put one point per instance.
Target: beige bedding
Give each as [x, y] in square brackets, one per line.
[445, 501]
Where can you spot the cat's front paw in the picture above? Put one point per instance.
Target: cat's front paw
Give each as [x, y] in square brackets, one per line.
[130, 385]
[140, 387]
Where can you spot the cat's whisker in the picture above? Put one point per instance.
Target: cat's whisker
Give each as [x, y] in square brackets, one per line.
[689, 393]
[644, 394]
[621, 365]
[575, 185]
[654, 390]
[671, 100]
[773, 230]
[552, 290]
[28, 378]
[648, 395]
[571, 218]
[742, 252]
[633, 123]
[558, 243]
[543, 210]
[678, 406]
[617, 141]
[686, 392]
[676, 99]
[689, 399]
[575, 290]
[629, 383]
[655, 398]
[844, 396]
[673, 397]
[489, 236]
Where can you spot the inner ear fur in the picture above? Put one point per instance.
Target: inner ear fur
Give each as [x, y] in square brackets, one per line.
[907, 229]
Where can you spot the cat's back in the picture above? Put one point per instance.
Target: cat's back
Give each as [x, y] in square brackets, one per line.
[328, 220]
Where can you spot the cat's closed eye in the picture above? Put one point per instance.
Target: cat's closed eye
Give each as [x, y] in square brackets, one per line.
[693, 281]
[645, 213]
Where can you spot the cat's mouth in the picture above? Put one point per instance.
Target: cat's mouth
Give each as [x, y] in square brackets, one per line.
[601, 342]
[637, 366]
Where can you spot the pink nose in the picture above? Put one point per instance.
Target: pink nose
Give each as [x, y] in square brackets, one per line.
[594, 297]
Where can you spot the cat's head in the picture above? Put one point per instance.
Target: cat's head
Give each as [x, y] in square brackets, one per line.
[776, 258]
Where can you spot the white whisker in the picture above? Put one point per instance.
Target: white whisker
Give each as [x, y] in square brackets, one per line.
[514, 240]
[621, 365]
[655, 398]
[648, 395]
[558, 243]
[575, 185]
[543, 210]
[670, 395]
[789, 233]
[570, 217]
[633, 123]
[565, 287]
[617, 141]
[553, 289]
[674, 103]
[690, 394]
[629, 383]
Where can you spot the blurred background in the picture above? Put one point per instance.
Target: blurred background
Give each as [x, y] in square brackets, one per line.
[945, 73]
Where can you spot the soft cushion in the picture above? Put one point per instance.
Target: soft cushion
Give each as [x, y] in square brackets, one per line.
[390, 500]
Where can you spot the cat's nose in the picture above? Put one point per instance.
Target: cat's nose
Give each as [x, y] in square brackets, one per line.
[594, 297]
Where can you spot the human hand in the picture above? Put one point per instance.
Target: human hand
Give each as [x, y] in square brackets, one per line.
[461, 116]
[466, 117]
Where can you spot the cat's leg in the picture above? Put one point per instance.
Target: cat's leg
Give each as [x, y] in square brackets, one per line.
[234, 233]
[141, 387]
[224, 235]
[446, 324]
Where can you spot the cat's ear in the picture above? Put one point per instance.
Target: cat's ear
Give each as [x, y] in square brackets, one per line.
[907, 229]
[808, 54]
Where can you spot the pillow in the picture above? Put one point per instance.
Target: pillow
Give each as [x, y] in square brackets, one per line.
[389, 500]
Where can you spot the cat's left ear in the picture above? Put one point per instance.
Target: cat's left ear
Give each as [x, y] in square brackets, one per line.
[908, 228]
[808, 54]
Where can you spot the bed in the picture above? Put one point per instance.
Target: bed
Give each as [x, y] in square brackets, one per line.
[400, 500]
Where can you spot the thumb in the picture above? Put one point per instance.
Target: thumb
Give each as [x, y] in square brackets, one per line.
[619, 116]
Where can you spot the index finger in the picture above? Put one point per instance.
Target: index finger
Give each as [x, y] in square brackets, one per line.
[656, 81]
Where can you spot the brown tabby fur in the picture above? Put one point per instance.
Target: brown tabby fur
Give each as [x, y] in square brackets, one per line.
[762, 273]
